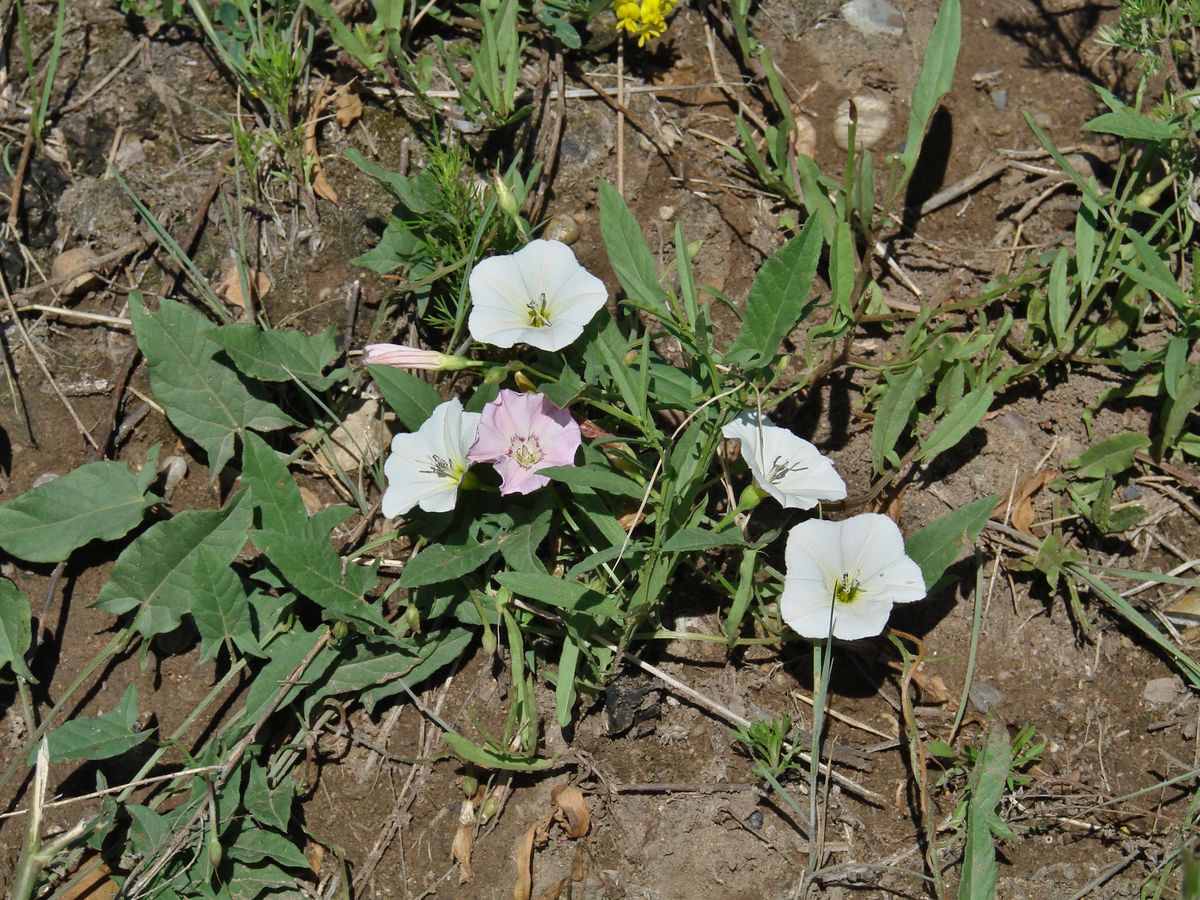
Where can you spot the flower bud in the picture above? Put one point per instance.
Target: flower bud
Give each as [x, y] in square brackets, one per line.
[505, 199]
[523, 382]
[340, 630]
[488, 810]
[489, 641]
[412, 618]
[404, 357]
[495, 375]
[470, 784]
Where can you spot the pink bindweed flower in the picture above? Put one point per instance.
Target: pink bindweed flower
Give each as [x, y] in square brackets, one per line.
[521, 433]
[403, 357]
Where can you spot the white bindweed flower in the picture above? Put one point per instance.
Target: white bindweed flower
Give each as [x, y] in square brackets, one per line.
[426, 466]
[843, 577]
[539, 296]
[785, 466]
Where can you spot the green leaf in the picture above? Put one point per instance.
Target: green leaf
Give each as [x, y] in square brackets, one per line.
[934, 82]
[566, 595]
[936, 546]
[958, 422]
[891, 420]
[1174, 364]
[519, 547]
[1110, 457]
[157, 573]
[1058, 298]
[266, 804]
[778, 298]
[307, 560]
[595, 478]
[492, 759]
[564, 690]
[252, 845]
[97, 501]
[1153, 274]
[985, 788]
[273, 491]
[567, 388]
[1129, 124]
[222, 609]
[270, 354]
[203, 398]
[410, 398]
[701, 539]
[438, 651]
[446, 562]
[15, 632]
[102, 737]
[627, 251]
[1178, 409]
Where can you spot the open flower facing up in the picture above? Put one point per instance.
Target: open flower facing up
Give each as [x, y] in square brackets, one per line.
[521, 433]
[539, 296]
[843, 577]
[785, 466]
[426, 466]
[644, 19]
[403, 357]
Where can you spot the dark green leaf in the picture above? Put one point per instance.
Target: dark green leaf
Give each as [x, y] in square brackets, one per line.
[15, 632]
[446, 562]
[934, 82]
[596, 479]
[204, 399]
[985, 788]
[273, 355]
[1132, 125]
[222, 609]
[97, 501]
[102, 737]
[961, 417]
[491, 759]
[268, 805]
[307, 560]
[157, 573]
[891, 420]
[627, 251]
[700, 539]
[567, 595]
[273, 491]
[936, 546]
[410, 398]
[1110, 457]
[437, 651]
[778, 299]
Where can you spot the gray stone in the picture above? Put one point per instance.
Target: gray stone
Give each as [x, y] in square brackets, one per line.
[1000, 98]
[873, 17]
[1161, 691]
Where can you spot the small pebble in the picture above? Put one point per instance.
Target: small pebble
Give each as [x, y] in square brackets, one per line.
[561, 227]
[1161, 691]
[1131, 492]
[984, 696]
[755, 820]
[1000, 98]
[666, 213]
[874, 120]
[873, 17]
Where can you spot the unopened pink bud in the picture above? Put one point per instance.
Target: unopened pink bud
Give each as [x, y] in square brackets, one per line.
[403, 357]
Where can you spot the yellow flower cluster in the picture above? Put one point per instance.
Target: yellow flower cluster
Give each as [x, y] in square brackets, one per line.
[646, 19]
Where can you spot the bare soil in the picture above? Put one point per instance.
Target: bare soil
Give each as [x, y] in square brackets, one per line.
[675, 810]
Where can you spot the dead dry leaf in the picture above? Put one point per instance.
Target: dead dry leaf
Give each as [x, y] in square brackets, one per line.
[357, 441]
[79, 264]
[534, 834]
[464, 839]
[320, 184]
[230, 285]
[555, 890]
[1021, 513]
[572, 812]
[347, 106]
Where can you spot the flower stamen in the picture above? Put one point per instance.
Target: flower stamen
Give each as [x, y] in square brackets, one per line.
[846, 589]
[443, 468]
[780, 469]
[538, 316]
[527, 451]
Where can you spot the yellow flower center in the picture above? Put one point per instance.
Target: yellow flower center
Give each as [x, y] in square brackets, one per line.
[539, 317]
[846, 589]
[443, 468]
[525, 450]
